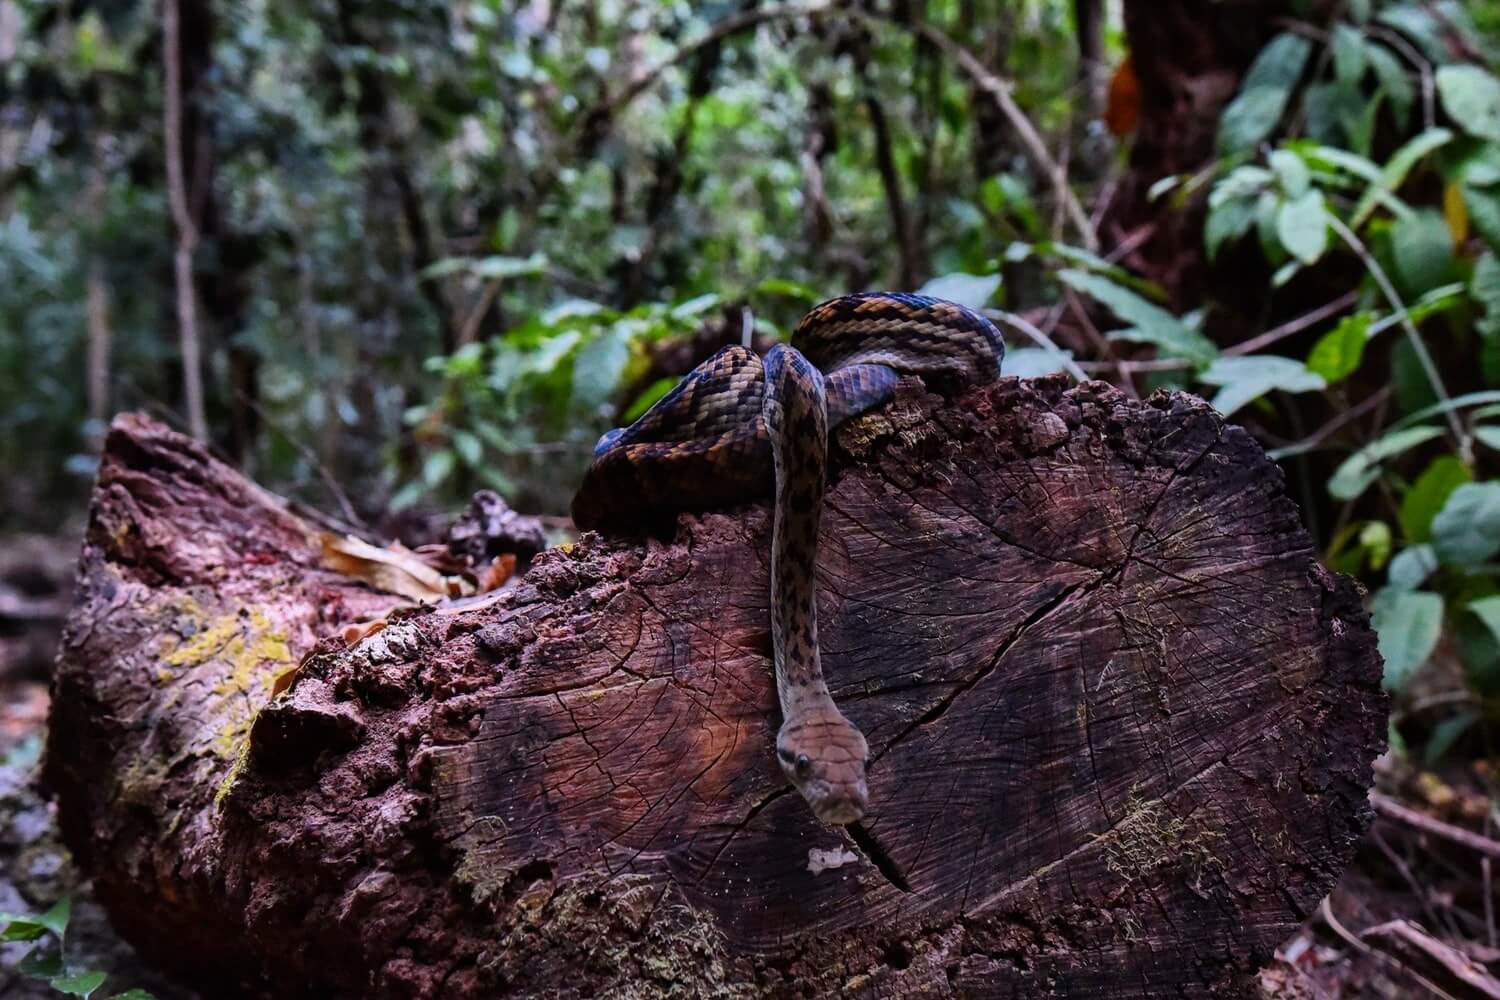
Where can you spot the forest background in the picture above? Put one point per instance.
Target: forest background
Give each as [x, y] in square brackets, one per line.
[381, 255]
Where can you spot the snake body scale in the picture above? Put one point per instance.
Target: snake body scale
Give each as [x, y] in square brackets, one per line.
[738, 427]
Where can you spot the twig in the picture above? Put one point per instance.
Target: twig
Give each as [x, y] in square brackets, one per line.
[468, 331]
[1424, 70]
[182, 218]
[1326, 912]
[351, 516]
[1317, 437]
[1000, 91]
[1040, 339]
[890, 180]
[1294, 326]
[1131, 367]
[1461, 436]
[1100, 342]
[1390, 808]
[1489, 888]
[1417, 889]
[1140, 234]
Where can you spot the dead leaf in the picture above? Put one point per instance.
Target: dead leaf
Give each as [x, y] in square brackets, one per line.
[394, 569]
[356, 632]
[500, 569]
[1123, 111]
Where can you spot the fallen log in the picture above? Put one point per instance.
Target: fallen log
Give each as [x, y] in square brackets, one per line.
[1121, 724]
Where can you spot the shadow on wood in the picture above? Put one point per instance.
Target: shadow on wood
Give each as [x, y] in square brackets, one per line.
[1121, 725]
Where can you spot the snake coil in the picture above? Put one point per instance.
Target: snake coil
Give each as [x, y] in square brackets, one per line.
[737, 428]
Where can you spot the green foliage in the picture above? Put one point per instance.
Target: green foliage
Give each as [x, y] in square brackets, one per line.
[45, 961]
[1326, 155]
[1409, 623]
[396, 183]
[1150, 323]
[1338, 352]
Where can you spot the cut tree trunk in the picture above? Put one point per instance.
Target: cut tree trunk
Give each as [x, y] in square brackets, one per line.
[1121, 724]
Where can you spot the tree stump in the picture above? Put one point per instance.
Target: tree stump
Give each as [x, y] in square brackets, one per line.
[1121, 724]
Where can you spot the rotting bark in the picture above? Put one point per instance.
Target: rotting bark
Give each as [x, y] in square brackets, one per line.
[1121, 721]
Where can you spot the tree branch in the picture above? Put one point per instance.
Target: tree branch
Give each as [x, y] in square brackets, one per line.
[182, 220]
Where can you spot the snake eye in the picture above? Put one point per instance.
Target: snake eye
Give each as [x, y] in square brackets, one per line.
[804, 765]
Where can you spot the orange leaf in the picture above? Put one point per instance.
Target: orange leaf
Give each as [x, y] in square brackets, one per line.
[1123, 112]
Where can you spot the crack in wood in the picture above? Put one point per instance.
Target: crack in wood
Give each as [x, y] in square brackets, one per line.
[878, 856]
[937, 710]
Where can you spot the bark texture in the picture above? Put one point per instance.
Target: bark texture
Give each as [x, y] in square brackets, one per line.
[1121, 724]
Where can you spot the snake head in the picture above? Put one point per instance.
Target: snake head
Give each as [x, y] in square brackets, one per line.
[824, 756]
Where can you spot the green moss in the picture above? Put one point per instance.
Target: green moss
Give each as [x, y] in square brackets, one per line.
[1149, 838]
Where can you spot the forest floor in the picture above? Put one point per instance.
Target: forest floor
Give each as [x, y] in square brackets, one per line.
[1414, 912]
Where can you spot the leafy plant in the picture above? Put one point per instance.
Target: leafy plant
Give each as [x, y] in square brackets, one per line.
[45, 961]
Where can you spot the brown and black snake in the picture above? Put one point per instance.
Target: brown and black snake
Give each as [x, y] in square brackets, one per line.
[737, 428]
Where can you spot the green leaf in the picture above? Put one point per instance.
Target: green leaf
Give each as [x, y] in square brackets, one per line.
[1422, 250]
[1488, 436]
[1355, 474]
[1333, 158]
[1471, 96]
[42, 962]
[1162, 186]
[787, 287]
[1477, 637]
[134, 994]
[597, 371]
[1348, 54]
[1034, 362]
[1263, 96]
[1338, 352]
[1483, 207]
[697, 306]
[1291, 172]
[487, 267]
[1248, 378]
[1226, 222]
[1241, 182]
[1445, 734]
[1408, 623]
[1419, 25]
[1151, 324]
[77, 984]
[21, 927]
[438, 467]
[972, 290]
[1398, 167]
[647, 399]
[57, 917]
[1280, 63]
[1375, 539]
[1395, 81]
[1302, 226]
[1253, 115]
[1427, 495]
[1466, 532]
[1411, 567]
[469, 448]
[1455, 403]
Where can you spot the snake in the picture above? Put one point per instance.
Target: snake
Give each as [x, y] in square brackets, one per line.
[738, 427]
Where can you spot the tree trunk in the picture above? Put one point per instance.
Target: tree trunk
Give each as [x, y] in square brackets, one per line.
[1121, 725]
[1189, 58]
